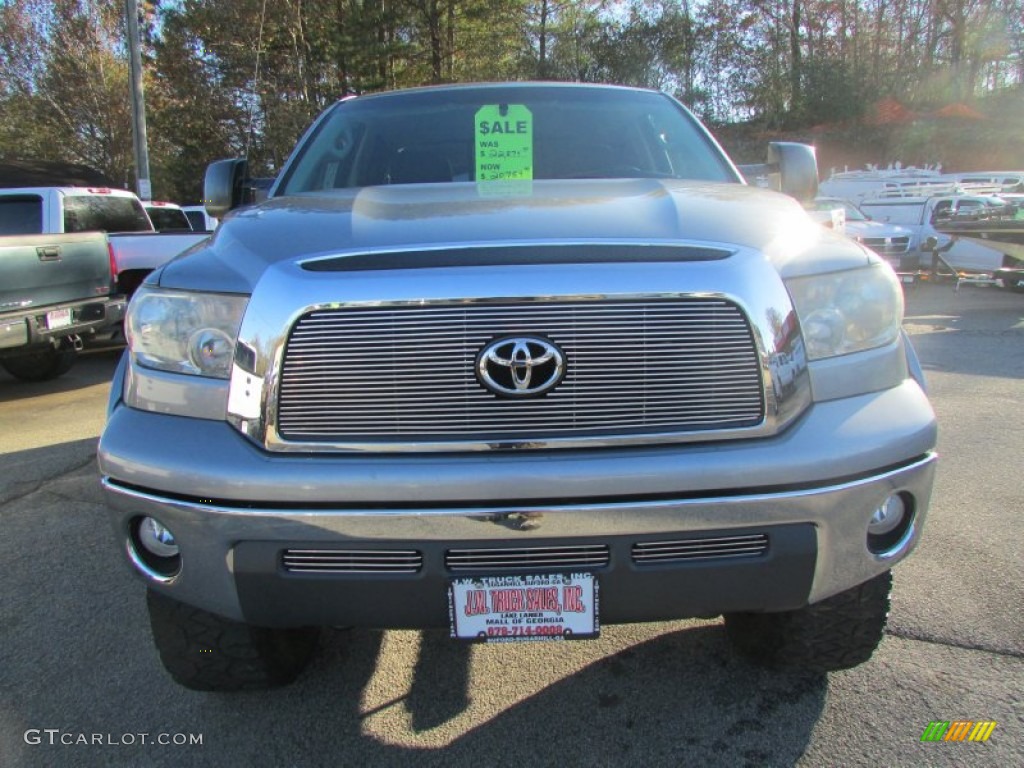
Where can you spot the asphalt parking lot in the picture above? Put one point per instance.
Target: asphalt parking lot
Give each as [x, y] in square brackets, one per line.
[80, 683]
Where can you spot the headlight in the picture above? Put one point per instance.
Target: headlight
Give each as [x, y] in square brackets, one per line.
[844, 312]
[184, 332]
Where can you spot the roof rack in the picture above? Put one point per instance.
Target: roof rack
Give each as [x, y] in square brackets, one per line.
[894, 171]
[931, 189]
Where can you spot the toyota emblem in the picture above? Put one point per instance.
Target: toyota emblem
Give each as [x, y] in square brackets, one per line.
[520, 366]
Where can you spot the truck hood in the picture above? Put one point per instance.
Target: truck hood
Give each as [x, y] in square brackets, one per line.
[429, 215]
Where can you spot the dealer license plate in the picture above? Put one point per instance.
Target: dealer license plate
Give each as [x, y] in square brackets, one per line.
[58, 318]
[524, 607]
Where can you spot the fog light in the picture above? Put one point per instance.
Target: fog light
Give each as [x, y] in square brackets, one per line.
[891, 525]
[888, 516]
[156, 538]
[153, 549]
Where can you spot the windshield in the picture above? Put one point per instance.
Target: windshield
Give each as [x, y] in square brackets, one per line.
[851, 211]
[504, 133]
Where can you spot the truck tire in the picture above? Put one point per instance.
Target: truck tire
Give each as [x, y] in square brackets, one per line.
[206, 652]
[41, 366]
[840, 632]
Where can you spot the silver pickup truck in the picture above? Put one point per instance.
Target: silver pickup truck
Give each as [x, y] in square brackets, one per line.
[517, 361]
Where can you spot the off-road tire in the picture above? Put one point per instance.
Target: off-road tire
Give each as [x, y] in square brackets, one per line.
[840, 632]
[41, 366]
[206, 652]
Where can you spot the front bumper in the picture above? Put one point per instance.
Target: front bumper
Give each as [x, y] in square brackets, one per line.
[809, 492]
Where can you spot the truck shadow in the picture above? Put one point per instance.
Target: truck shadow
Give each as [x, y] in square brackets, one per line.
[78, 656]
[93, 366]
[678, 698]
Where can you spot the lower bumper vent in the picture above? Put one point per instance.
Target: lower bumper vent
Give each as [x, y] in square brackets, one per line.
[527, 558]
[685, 550]
[352, 560]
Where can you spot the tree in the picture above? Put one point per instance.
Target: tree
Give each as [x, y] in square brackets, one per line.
[67, 94]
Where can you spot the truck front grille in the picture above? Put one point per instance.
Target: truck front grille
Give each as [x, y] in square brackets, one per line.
[408, 373]
[352, 561]
[685, 550]
[887, 246]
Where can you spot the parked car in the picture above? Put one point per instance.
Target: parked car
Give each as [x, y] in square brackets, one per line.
[59, 210]
[200, 220]
[135, 247]
[57, 287]
[921, 215]
[890, 241]
[517, 360]
[135, 255]
[167, 217]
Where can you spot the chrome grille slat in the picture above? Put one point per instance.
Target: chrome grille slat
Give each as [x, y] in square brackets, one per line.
[487, 313]
[408, 372]
[352, 561]
[523, 431]
[520, 558]
[686, 550]
[355, 411]
[887, 246]
[330, 401]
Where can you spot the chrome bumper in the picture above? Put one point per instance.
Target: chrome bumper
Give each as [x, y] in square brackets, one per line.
[211, 535]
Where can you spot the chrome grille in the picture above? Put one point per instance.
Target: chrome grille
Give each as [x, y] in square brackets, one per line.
[407, 372]
[352, 560]
[527, 558]
[683, 550]
[887, 246]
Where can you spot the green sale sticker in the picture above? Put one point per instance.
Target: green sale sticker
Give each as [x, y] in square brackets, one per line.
[504, 143]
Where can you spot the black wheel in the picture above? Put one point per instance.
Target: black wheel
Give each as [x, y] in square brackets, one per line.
[838, 633]
[206, 652]
[40, 366]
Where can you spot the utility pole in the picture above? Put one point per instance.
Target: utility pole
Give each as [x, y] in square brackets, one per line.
[145, 188]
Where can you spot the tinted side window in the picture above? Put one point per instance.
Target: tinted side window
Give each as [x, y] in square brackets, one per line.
[197, 220]
[104, 213]
[21, 215]
[168, 219]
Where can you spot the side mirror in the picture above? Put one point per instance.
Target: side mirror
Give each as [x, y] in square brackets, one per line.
[798, 168]
[224, 186]
[791, 168]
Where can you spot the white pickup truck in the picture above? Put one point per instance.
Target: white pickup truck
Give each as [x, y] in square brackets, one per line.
[922, 214]
[136, 254]
[136, 249]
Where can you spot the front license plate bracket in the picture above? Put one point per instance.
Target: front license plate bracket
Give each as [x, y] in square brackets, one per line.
[524, 607]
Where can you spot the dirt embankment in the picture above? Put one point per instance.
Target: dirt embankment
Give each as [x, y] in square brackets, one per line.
[985, 135]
